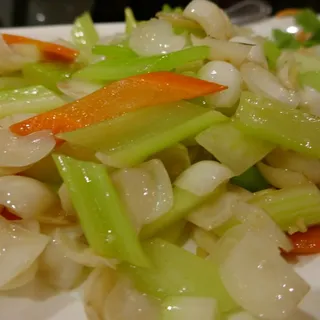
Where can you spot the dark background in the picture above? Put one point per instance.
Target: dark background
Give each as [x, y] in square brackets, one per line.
[41, 12]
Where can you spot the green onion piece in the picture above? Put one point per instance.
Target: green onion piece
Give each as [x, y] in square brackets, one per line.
[131, 22]
[274, 122]
[308, 20]
[176, 272]
[189, 308]
[272, 53]
[130, 139]
[224, 139]
[84, 34]
[102, 216]
[311, 79]
[116, 69]
[46, 74]
[7, 83]
[35, 99]
[251, 180]
[292, 206]
[114, 51]
[285, 40]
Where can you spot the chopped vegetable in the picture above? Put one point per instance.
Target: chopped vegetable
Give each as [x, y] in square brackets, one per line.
[308, 20]
[34, 99]
[135, 136]
[105, 223]
[115, 69]
[50, 51]
[271, 121]
[131, 22]
[311, 79]
[114, 51]
[285, 40]
[176, 272]
[46, 74]
[306, 242]
[84, 34]
[272, 53]
[224, 139]
[251, 180]
[116, 99]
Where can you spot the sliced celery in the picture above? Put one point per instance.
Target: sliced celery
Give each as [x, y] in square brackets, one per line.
[34, 99]
[251, 180]
[232, 147]
[189, 308]
[114, 51]
[307, 63]
[116, 69]
[135, 136]
[131, 22]
[272, 53]
[290, 207]
[311, 79]
[176, 272]
[46, 74]
[103, 219]
[7, 83]
[176, 233]
[271, 121]
[84, 34]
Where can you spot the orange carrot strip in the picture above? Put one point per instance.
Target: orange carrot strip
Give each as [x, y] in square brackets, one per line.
[118, 98]
[50, 51]
[287, 12]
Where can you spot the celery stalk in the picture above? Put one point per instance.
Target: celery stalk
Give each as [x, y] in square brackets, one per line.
[116, 69]
[311, 79]
[307, 63]
[189, 308]
[128, 140]
[251, 180]
[176, 272]
[46, 74]
[272, 53]
[34, 99]
[102, 216]
[131, 22]
[232, 147]
[271, 121]
[84, 34]
[291, 206]
[114, 52]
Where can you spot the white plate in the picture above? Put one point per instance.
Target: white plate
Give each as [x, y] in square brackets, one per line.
[44, 304]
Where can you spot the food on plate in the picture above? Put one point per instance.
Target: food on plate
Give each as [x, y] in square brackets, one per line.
[166, 172]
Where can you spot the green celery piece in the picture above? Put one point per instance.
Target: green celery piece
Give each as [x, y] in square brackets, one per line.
[116, 69]
[251, 180]
[272, 53]
[176, 233]
[131, 22]
[189, 308]
[34, 99]
[176, 272]
[308, 20]
[166, 8]
[311, 79]
[285, 40]
[102, 216]
[306, 63]
[46, 74]
[271, 121]
[114, 51]
[130, 139]
[232, 147]
[84, 34]
[8, 83]
[290, 206]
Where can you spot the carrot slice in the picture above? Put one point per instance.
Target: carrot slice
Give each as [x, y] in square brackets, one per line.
[287, 12]
[50, 51]
[118, 98]
[306, 242]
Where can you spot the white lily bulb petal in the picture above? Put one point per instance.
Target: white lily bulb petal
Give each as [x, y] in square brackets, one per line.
[155, 37]
[223, 73]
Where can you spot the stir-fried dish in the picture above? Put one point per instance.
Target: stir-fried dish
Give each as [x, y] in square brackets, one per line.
[165, 173]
